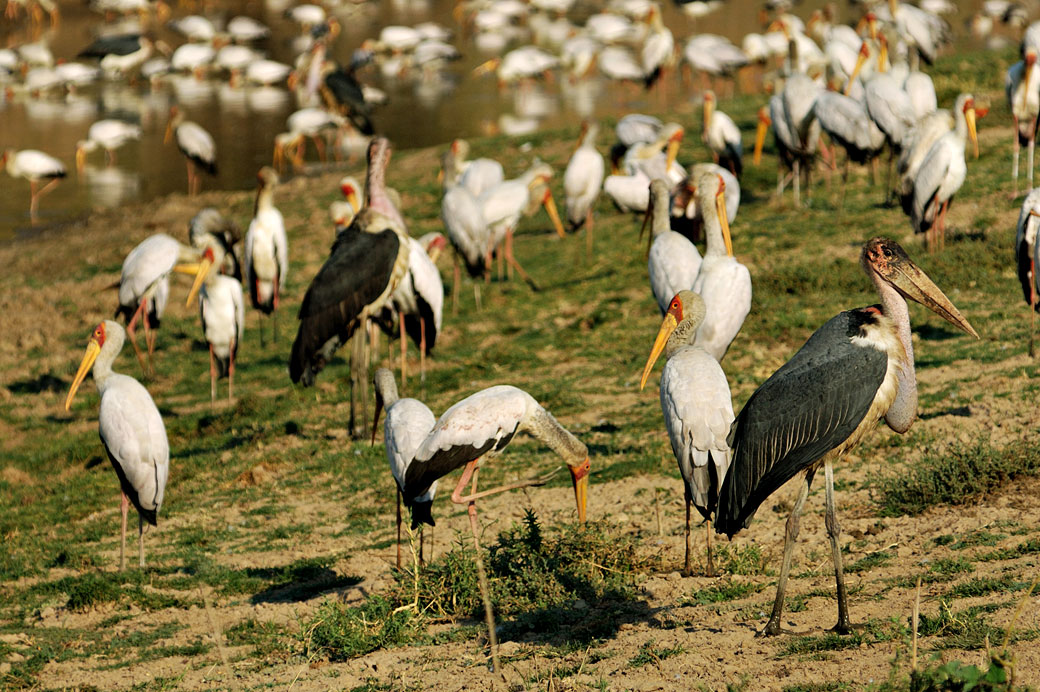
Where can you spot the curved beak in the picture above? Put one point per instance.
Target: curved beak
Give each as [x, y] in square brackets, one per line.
[860, 59]
[580, 477]
[667, 327]
[550, 209]
[486, 67]
[760, 139]
[93, 349]
[81, 160]
[914, 284]
[720, 209]
[352, 200]
[199, 271]
[973, 133]
[673, 151]
[169, 133]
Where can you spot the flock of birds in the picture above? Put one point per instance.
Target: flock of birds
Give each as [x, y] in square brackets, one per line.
[858, 368]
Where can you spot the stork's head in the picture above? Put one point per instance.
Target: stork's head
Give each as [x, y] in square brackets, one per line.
[267, 177]
[685, 314]
[107, 336]
[711, 195]
[350, 189]
[885, 260]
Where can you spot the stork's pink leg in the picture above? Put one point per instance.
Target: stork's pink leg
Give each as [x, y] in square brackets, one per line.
[456, 274]
[422, 349]
[212, 376]
[588, 231]
[1014, 161]
[231, 373]
[404, 349]
[131, 331]
[511, 260]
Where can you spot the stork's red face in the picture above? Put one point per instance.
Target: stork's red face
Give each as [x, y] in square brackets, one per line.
[94, 344]
[675, 309]
[99, 334]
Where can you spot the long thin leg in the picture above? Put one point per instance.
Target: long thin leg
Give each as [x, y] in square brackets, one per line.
[149, 340]
[1032, 145]
[455, 285]
[140, 541]
[422, 349]
[791, 534]
[797, 184]
[404, 349]
[131, 331]
[711, 563]
[399, 526]
[1032, 312]
[231, 373]
[212, 375]
[687, 567]
[588, 231]
[833, 532]
[489, 613]
[124, 507]
[1014, 162]
[516, 265]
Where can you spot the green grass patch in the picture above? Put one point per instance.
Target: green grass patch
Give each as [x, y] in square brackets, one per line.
[871, 632]
[983, 586]
[869, 562]
[970, 540]
[1030, 547]
[960, 475]
[649, 653]
[747, 560]
[722, 592]
[339, 633]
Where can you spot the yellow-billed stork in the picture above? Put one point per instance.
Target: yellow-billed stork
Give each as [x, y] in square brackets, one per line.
[35, 166]
[195, 143]
[266, 251]
[672, 261]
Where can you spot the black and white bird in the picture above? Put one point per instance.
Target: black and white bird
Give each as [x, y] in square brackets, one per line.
[222, 311]
[853, 371]
[195, 143]
[36, 167]
[108, 134]
[1022, 88]
[131, 430]
[365, 265]
[672, 260]
[1027, 256]
[266, 251]
[697, 408]
[722, 136]
[582, 179]
[209, 225]
[144, 286]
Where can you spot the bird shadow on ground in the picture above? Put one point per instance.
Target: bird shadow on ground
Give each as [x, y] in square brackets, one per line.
[580, 623]
[958, 411]
[37, 385]
[307, 581]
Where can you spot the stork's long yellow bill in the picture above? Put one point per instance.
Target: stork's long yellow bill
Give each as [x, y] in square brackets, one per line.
[550, 208]
[667, 327]
[93, 349]
[760, 140]
[720, 209]
[580, 476]
[199, 271]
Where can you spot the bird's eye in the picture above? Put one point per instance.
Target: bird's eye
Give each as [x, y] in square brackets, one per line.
[888, 252]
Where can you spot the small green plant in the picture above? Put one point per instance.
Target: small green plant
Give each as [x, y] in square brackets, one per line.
[745, 560]
[870, 561]
[954, 676]
[648, 653]
[722, 592]
[339, 633]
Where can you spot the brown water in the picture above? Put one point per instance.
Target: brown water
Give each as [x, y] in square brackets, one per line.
[243, 121]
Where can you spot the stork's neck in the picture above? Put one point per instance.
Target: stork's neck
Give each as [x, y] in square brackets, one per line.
[546, 429]
[662, 222]
[102, 369]
[900, 415]
[682, 337]
[960, 124]
[264, 199]
[386, 387]
[716, 244]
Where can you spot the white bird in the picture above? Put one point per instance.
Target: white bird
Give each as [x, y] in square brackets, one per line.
[242, 28]
[266, 251]
[144, 285]
[526, 62]
[1022, 88]
[476, 175]
[697, 408]
[193, 57]
[131, 430]
[619, 64]
[686, 212]
[847, 123]
[926, 133]
[630, 193]
[1027, 256]
[722, 136]
[195, 143]
[222, 311]
[417, 303]
[658, 52]
[919, 29]
[942, 173]
[35, 166]
[713, 55]
[583, 178]
[723, 282]
[672, 261]
[108, 135]
[658, 158]
[472, 433]
[267, 72]
[408, 422]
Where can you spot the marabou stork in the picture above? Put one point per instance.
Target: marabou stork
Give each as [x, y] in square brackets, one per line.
[942, 173]
[131, 430]
[365, 265]
[144, 286]
[672, 260]
[408, 422]
[854, 370]
[1026, 258]
[222, 311]
[108, 135]
[723, 282]
[195, 143]
[34, 166]
[697, 408]
[722, 136]
[1022, 88]
[582, 179]
[473, 432]
[266, 251]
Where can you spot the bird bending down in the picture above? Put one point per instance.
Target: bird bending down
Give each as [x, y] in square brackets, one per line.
[266, 251]
[222, 311]
[408, 422]
[697, 408]
[195, 143]
[131, 430]
[854, 370]
[144, 286]
[473, 432]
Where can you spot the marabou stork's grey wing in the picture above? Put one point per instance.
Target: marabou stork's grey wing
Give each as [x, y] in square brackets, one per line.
[347, 91]
[929, 177]
[482, 423]
[805, 409]
[357, 272]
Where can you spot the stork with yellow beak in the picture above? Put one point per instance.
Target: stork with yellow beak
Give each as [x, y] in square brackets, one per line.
[131, 430]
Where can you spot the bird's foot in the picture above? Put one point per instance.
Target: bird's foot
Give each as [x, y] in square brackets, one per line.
[844, 626]
[773, 629]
